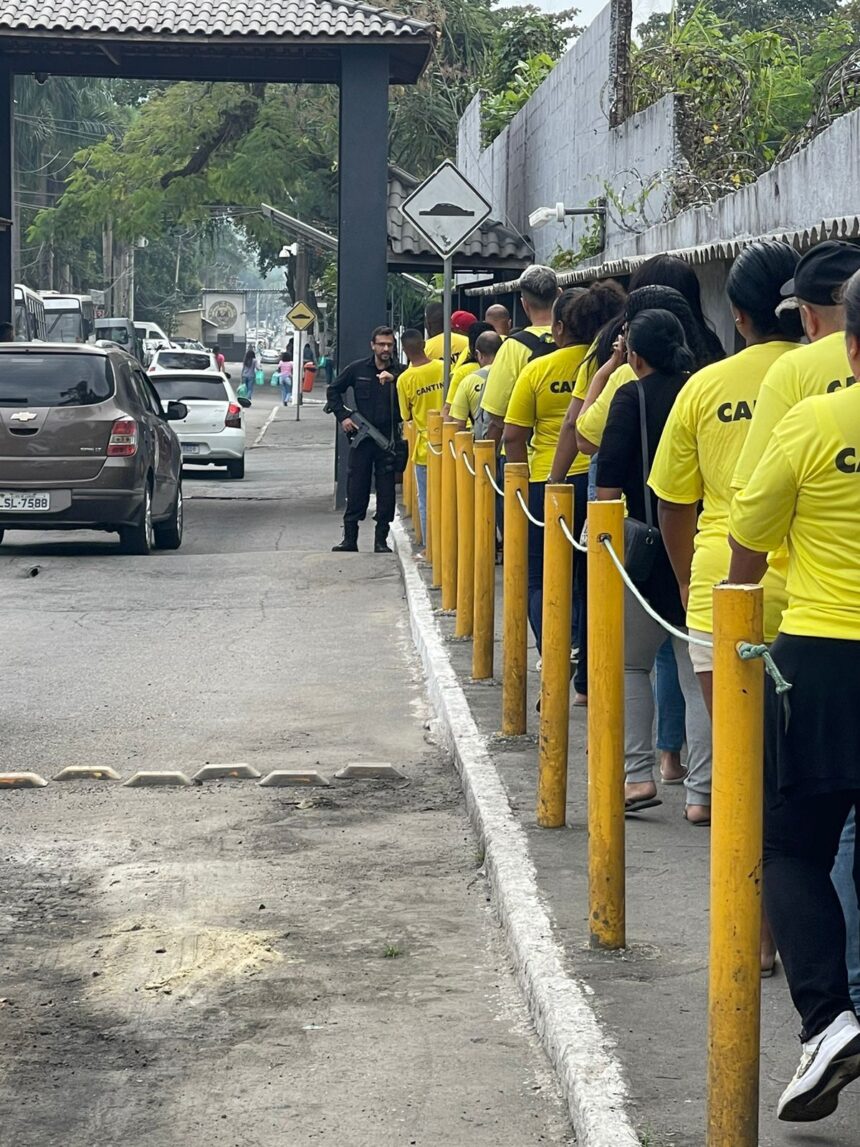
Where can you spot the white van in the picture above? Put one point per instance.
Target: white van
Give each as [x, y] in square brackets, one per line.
[151, 331]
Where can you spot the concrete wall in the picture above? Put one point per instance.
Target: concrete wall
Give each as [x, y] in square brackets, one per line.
[560, 147]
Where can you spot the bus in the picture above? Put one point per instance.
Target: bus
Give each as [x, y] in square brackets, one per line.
[69, 318]
[29, 316]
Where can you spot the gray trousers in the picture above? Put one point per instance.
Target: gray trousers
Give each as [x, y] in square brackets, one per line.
[642, 638]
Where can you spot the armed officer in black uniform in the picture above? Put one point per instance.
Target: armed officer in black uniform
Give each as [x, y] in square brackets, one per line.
[373, 381]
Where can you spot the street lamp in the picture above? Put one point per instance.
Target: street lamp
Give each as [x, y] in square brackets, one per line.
[557, 214]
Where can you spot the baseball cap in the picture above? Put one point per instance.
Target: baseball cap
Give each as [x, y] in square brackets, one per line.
[822, 271]
[461, 321]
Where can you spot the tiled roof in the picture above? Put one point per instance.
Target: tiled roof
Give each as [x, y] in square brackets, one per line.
[491, 245]
[338, 20]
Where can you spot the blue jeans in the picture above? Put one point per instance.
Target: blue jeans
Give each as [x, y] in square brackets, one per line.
[249, 379]
[671, 710]
[848, 892]
[421, 485]
[287, 391]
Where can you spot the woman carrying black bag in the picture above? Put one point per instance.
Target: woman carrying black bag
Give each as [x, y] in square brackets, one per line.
[661, 360]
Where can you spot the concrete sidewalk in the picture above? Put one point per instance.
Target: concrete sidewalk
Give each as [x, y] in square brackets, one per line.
[651, 998]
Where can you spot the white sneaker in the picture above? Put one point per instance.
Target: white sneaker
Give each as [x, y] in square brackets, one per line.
[827, 1064]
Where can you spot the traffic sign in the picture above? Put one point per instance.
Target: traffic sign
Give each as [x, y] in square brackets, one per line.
[301, 316]
[446, 209]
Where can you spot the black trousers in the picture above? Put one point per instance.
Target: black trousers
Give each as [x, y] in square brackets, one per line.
[801, 838]
[366, 462]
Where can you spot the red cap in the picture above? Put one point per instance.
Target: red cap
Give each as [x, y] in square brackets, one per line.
[463, 321]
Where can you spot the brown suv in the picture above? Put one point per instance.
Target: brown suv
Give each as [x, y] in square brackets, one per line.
[84, 444]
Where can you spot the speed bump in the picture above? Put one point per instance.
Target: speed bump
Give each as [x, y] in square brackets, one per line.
[156, 777]
[87, 773]
[22, 781]
[216, 772]
[377, 770]
[281, 778]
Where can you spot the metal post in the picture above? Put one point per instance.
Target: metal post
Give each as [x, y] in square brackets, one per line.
[515, 601]
[734, 1002]
[449, 517]
[555, 659]
[484, 640]
[448, 287]
[464, 444]
[434, 493]
[606, 859]
[362, 211]
[7, 178]
[298, 355]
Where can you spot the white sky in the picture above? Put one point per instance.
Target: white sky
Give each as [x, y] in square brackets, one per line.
[642, 9]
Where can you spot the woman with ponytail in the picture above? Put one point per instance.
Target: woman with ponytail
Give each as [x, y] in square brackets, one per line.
[660, 360]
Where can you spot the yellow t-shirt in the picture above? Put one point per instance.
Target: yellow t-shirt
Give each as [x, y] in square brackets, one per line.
[419, 390]
[461, 370]
[695, 462]
[540, 399]
[819, 368]
[586, 372]
[434, 347]
[467, 400]
[513, 356]
[806, 490]
[592, 423]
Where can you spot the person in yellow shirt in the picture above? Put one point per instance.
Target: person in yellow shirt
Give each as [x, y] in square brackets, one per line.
[434, 321]
[536, 410]
[805, 491]
[468, 365]
[819, 368]
[419, 390]
[539, 290]
[706, 432]
[466, 406]
[499, 318]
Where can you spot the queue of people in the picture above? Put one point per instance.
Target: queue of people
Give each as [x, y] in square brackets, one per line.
[742, 467]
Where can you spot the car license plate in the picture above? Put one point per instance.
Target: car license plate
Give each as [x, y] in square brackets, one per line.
[37, 503]
[190, 447]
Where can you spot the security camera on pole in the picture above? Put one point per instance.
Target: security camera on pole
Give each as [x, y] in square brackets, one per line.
[446, 209]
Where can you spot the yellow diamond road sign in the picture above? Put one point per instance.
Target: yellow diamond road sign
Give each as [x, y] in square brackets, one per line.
[301, 316]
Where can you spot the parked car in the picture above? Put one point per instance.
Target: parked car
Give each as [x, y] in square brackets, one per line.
[85, 443]
[173, 359]
[150, 346]
[213, 431]
[269, 354]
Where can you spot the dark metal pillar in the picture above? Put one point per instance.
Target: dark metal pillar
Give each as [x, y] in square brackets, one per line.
[7, 304]
[363, 229]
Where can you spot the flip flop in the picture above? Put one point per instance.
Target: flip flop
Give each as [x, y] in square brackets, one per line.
[697, 823]
[639, 805]
[673, 781]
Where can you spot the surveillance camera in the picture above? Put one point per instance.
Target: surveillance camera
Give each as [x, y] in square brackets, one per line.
[543, 215]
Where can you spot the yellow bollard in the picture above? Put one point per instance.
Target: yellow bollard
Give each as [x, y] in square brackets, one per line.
[736, 869]
[449, 517]
[408, 473]
[515, 601]
[434, 494]
[606, 864]
[483, 643]
[465, 535]
[555, 659]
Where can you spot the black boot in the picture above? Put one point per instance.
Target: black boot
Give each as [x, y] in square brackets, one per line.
[349, 545]
[380, 543]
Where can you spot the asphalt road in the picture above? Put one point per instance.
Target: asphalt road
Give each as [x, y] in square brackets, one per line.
[229, 964]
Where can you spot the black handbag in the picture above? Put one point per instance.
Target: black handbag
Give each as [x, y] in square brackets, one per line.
[641, 539]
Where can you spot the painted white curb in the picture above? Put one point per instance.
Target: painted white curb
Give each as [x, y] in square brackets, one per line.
[579, 1050]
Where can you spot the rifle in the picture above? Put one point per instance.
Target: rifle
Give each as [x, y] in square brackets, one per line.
[365, 430]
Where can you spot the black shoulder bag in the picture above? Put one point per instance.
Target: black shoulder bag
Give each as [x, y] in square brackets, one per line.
[641, 539]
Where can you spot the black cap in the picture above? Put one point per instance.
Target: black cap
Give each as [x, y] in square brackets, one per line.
[822, 271]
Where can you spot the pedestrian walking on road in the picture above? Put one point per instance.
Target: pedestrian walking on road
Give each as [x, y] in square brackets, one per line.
[219, 357]
[250, 366]
[373, 382]
[805, 491]
[285, 373]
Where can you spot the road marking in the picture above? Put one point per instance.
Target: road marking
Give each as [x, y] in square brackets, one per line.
[87, 773]
[282, 778]
[156, 777]
[266, 426]
[217, 772]
[373, 769]
[22, 781]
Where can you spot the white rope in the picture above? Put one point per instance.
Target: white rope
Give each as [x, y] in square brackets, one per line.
[526, 510]
[468, 464]
[625, 577]
[576, 545]
[451, 448]
[492, 481]
[438, 452]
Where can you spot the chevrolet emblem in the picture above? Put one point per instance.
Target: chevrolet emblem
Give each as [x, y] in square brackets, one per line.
[23, 416]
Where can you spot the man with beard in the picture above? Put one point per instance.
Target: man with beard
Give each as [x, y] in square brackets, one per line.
[373, 381]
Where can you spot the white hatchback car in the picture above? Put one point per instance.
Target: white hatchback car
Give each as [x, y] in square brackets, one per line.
[176, 358]
[213, 432]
